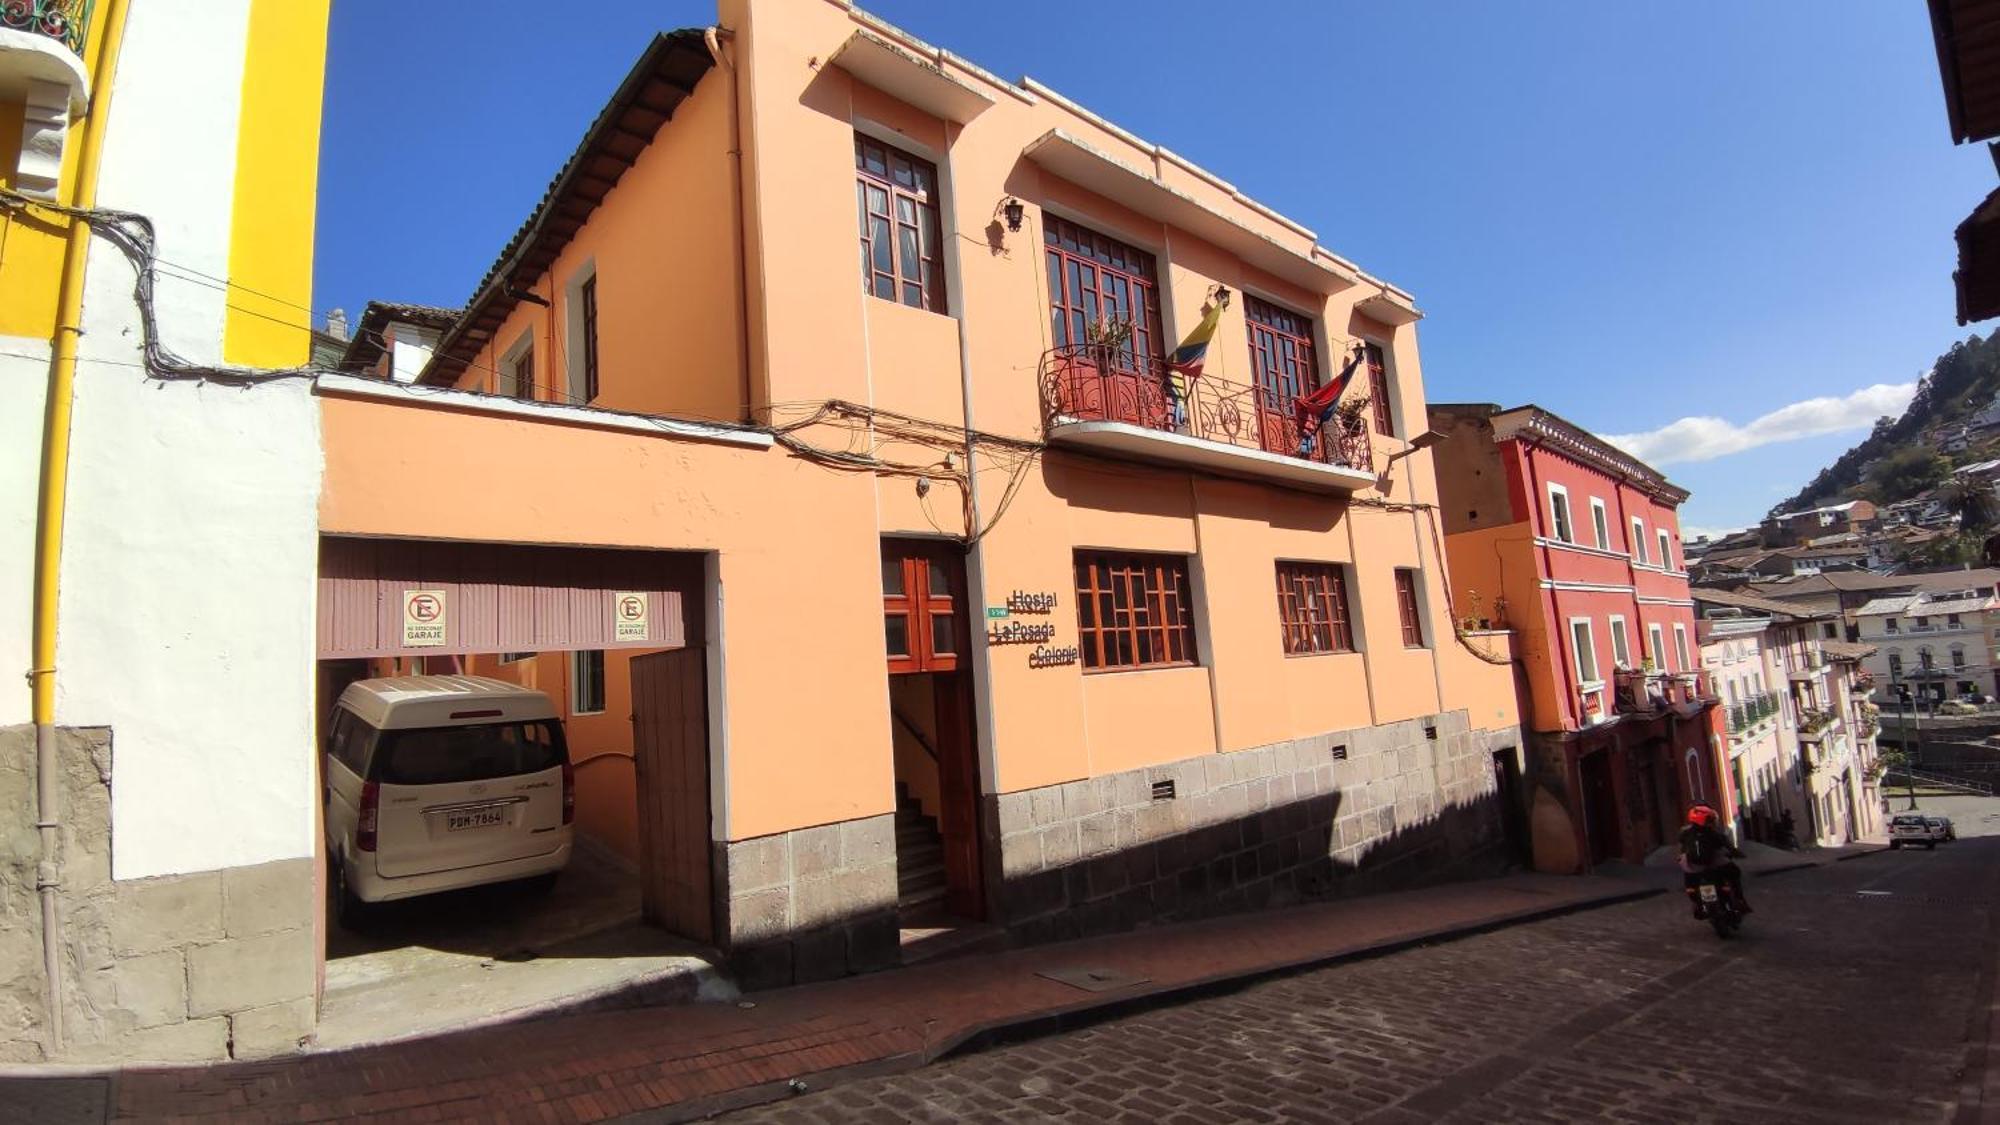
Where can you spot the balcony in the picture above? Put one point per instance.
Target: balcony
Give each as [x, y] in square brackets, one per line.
[1814, 725]
[41, 66]
[1108, 400]
[1752, 713]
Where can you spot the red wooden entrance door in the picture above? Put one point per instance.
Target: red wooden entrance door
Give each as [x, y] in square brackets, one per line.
[670, 749]
[924, 607]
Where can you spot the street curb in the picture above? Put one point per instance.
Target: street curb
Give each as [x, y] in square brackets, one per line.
[1087, 1012]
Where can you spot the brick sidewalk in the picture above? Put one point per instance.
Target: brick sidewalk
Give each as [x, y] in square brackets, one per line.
[687, 1061]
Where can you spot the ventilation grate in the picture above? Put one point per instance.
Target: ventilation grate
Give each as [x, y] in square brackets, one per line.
[1431, 732]
[1163, 790]
[1340, 751]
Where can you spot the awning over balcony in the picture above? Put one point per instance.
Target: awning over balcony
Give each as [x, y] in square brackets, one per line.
[909, 77]
[1125, 439]
[1089, 167]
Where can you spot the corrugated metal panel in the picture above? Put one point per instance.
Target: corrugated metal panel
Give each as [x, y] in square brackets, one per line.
[499, 597]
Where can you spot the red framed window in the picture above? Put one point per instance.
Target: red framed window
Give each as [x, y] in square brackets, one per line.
[1406, 608]
[1134, 611]
[1378, 391]
[1093, 277]
[920, 605]
[896, 204]
[1281, 351]
[1312, 605]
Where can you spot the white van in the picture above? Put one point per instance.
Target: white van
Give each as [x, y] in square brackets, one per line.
[433, 783]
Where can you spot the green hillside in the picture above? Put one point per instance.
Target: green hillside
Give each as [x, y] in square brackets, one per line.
[1894, 462]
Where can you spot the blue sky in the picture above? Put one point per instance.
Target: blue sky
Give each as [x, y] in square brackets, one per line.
[1631, 214]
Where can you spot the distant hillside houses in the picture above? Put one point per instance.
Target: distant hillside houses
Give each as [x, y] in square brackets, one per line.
[1787, 529]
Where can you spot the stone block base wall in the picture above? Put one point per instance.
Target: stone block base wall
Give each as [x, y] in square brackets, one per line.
[811, 904]
[212, 965]
[1336, 813]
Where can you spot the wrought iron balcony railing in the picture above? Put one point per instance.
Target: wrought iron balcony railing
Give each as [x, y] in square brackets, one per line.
[64, 21]
[1086, 383]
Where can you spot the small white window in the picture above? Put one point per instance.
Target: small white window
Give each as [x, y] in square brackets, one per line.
[1638, 540]
[1559, 524]
[516, 377]
[1666, 549]
[1681, 647]
[1599, 523]
[1621, 645]
[1586, 650]
[1658, 636]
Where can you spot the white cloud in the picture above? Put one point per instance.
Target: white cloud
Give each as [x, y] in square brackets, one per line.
[1704, 438]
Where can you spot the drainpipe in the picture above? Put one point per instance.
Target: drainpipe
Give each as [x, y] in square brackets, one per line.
[50, 501]
[738, 208]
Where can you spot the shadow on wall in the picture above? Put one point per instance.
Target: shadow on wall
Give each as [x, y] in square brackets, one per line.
[1296, 852]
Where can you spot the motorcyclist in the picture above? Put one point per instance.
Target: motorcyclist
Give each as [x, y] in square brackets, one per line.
[1706, 852]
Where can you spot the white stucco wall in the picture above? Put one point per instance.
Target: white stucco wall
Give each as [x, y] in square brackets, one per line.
[409, 352]
[187, 615]
[170, 154]
[186, 621]
[24, 380]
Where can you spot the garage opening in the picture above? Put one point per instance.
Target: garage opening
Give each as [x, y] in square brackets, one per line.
[515, 798]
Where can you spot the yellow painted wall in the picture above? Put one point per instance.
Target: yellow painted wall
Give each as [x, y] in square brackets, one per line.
[277, 172]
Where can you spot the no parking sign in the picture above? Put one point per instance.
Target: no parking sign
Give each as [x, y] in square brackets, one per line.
[423, 618]
[628, 616]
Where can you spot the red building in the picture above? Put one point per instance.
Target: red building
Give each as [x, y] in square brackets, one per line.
[1575, 546]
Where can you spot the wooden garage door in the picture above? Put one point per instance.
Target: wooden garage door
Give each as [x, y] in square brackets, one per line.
[670, 742]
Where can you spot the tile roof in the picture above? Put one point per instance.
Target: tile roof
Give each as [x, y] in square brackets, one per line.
[1846, 650]
[1757, 604]
[645, 101]
[367, 343]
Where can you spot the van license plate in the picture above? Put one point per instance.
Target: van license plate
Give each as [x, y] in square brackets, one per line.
[474, 818]
[1708, 892]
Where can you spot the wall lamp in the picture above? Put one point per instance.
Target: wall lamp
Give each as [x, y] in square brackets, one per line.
[1221, 295]
[520, 294]
[1014, 211]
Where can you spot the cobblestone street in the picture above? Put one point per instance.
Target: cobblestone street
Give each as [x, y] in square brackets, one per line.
[1856, 993]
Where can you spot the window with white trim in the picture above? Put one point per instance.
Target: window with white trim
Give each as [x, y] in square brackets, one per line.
[1658, 637]
[1681, 647]
[1666, 549]
[516, 377]
[1600, 523]
[1638, 540]
[1559, 525]
[1584, 646]
[586, 681]
[1621, 645]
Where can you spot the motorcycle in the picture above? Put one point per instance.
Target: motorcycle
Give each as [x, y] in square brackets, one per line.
[1717, 904]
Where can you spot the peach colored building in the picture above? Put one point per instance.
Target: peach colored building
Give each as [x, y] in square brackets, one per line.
[1575, 544]
[953, 600]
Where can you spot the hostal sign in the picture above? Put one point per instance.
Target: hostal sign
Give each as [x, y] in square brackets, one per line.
[1025, 633]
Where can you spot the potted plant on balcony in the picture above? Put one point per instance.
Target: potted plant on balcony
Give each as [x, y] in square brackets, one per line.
[1083, 389]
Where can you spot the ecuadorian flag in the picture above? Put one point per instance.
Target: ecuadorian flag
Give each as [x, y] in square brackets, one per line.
[1184, 366]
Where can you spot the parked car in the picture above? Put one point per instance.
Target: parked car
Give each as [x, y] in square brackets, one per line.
[1943, 828]
[434, 783]
[1912, 829]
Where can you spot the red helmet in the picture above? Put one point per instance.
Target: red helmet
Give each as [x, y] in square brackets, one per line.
[1702, 814]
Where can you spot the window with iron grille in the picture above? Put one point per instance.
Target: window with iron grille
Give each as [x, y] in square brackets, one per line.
[1378, 391]
[1312, 605]
[586, 295]
[1093, 278]
[1134, 611]
[1406, 606]
[1281, 352]
[896, 204]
